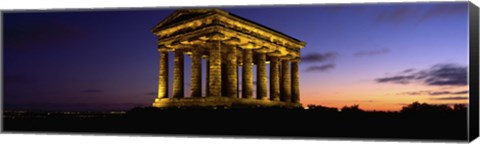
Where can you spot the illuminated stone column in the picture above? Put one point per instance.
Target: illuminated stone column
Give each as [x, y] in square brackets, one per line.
[247, 74]
[274, 79]
[285, 82]
[163, 76]
[232, 87]
[178, 78]
[224, 90]
[215, 70]
[261, 76]
[238, 79]
[196, 81]
[295, 82]
[207, 79]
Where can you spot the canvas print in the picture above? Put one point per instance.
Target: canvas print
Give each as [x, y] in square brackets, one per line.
[379, 70]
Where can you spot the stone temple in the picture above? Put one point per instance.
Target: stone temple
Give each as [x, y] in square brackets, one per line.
[226, 42]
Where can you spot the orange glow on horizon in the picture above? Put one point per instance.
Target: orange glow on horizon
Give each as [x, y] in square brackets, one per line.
[372, 96]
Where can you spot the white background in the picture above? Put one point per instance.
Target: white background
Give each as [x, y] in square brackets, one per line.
[107, 139]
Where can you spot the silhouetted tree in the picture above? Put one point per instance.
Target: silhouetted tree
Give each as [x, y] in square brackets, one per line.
[321, 108]
[351, 109]
[459, 108]
[417, 107]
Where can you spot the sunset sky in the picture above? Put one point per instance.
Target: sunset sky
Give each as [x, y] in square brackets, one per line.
[380, 56]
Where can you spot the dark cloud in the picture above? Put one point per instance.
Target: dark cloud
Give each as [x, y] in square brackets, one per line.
[434, 93]
[461, 92]
[448, 92]
[92, 91]
[372, 52]
[408, 71]
[440, 93]
[452, 98]
[438, 75]
[320, 68]
[397, 79]
[415, 93]
[447, 74]
[318, 57]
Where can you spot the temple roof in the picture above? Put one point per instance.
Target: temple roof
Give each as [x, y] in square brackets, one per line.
[183, 15]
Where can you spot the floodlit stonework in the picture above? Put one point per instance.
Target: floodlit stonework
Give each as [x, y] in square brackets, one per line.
[227, 42]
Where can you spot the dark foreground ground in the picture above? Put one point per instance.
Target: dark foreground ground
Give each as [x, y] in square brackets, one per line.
[276, 122]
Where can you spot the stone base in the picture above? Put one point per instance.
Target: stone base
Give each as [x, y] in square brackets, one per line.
[224, 102]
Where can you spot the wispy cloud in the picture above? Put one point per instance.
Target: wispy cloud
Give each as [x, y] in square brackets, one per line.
[434, 93]
[372, 52]
[320, 68]
[451, 98]
[325, 58]
[407, 71]
[438, 75]
[446, 74]
[397, 79]
[318, 57]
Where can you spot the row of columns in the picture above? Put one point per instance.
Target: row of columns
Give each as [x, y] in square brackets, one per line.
[284, 76]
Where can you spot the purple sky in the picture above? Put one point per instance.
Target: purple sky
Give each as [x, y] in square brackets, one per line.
[375, 55]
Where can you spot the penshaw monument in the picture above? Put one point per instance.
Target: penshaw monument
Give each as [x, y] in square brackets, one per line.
[226, 42]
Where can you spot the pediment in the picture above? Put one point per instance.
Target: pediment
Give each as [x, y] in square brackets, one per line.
[180, 16]
[188, 26]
